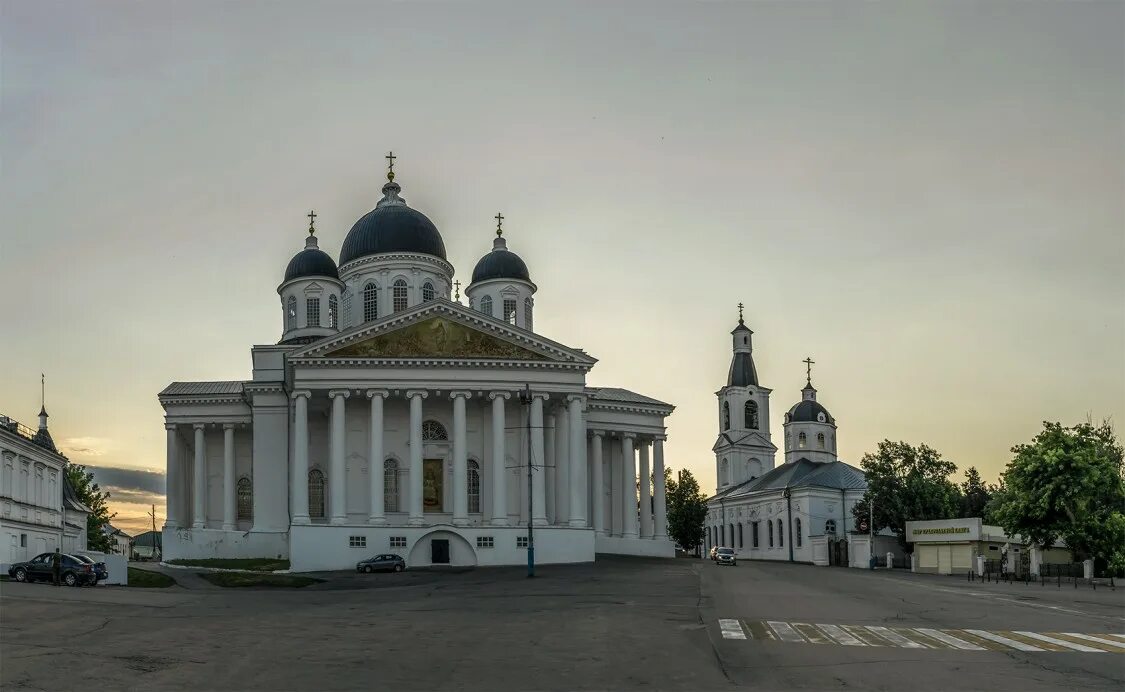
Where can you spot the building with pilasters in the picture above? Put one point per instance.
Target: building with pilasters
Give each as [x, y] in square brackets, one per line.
[390, 418]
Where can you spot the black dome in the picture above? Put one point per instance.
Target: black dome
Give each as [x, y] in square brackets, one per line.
[392, 228]
[311, 262]
[501, 264]
[742, 372]
[806, 412]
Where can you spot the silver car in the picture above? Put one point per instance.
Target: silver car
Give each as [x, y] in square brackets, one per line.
[725, 556]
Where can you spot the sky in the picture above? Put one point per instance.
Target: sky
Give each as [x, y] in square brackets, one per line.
[926, 198]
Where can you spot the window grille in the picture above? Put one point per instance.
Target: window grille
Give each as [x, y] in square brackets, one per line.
[485, 542]
[316, 494]
[399, 294]
[390, 485]
[510, 310]
[780, 534]
[486, 305]
[312, 312]
[820, 440]
[830, 527]
[432, 430]
[357, 541]
[427, 292]
[521, 541]
[750, 413]
[244, 493]
[801, 441]
[370, 302]
[347, 321]
[291, 313]
[527, 314]
[398, 541]
[333, 312]
[474, 487]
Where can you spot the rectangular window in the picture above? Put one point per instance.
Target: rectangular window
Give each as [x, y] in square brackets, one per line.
[754, 533]
[510, 310]
[398, 541]
[23, 540]
[484, 542]
[521, 541]
[357, 541]
[312, 312]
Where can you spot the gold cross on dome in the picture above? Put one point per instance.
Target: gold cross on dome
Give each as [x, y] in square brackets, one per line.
[499, 224]
[390, 157]
[808, 368]
[312, 220]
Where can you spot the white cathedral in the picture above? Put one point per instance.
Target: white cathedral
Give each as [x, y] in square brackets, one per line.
[389, 418]
[800, 511]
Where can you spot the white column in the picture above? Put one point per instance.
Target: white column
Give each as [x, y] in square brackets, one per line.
[599, 484]
[659, 499]
[172, 503]
[577, 462]
[229, 489]
[646, 493]
[550, 468]
[415, 477]
[198, 520]
[562, 467]
[499, 460]
[337, 478]
[538, 491]
[375, 457]
[460, 461]
[628, 487]
[299, 478]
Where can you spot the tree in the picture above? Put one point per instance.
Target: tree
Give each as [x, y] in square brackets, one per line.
[1067, 484]
[90, 494]
[907, 483]
[974, 494]
[687, 510]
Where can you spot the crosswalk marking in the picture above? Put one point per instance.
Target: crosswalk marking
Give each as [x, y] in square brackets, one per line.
[895, 638]
[861, 633]
[787, 633]
[731, 629]
[811, 633]
[1014, 643]
[758, 630]
[949, 639]
[1101, 640]
[839, 635]
[1061, 642]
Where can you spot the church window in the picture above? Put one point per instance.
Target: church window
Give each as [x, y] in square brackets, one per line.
[432, 430]
[780, 534]
[357, 541]
[333, 312]
[486, 542]
[244, 492]
[797, 531]
[316, 494]
[830, 527]
[750, 413]
[486, 305]
[347, 321]
[398, 541]
[726, 415]
[754, 534]
[527, 314]
[724, 472]
[291, 313]
[370, 302]
[427, 292]
[510, 310]
[739, 534]
[473, 483]
[769, 526]
[399, 295]
[390, 486]
[801, 441]
[820, 440]
[312, 312]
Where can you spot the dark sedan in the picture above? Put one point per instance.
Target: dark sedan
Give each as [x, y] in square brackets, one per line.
[381, 563]
[73, 572]
[100, 570]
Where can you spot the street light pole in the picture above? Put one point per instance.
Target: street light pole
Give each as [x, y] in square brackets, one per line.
[530, 493]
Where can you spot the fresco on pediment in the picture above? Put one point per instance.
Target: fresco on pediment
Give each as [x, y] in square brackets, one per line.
[436, 338]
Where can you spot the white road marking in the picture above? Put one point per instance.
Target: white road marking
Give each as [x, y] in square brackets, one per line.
[1004, 640]
[947, 639]
[895, 638]
[840, 636]
[1100, 640]
[731, 629]
[811, 633]
[787, 633]
[1061, 642]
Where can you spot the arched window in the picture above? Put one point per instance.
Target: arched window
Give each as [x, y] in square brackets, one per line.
[797, 531]
[370, 302]
[390, 485]
[527, 314]
[432, 430]
[750, 413]
[510, 310]
[399, 291]
[726, 415]
[769, 525]
[347, 321]
[739, 534]
[333, 312]
[723, 535]
[312, 312]
[486, 305]
[316, 493]
[801, 441]
[724, 472]
[780, 534]
[427, 292]
[830, 527]
[291, 313]
[244, 492]
[820, 440]
[474, 487]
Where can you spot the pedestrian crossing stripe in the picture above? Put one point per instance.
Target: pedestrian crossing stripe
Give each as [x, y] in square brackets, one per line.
[921, 637]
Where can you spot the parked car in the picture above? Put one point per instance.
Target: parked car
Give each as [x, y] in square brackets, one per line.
[725, 556]
[73, 572]
[100, 568]
[381, 563]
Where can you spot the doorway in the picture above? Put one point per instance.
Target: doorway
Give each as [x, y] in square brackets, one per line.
[439, 551]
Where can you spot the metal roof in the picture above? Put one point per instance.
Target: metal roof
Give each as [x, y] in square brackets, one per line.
[622, 395]
[198, 388]
[803, 474]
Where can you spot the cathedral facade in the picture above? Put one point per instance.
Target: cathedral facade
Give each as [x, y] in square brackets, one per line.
[392, 418]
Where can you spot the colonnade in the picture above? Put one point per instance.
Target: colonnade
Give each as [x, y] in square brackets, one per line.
[177, 513]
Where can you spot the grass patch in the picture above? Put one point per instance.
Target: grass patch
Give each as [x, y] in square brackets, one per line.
[149, 580]
[237, 579]
[256, 564]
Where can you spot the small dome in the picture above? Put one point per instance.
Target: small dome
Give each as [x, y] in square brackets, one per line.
[501, 264]
[392, 227]
[808, 411]
[311, 261]
[742, 372]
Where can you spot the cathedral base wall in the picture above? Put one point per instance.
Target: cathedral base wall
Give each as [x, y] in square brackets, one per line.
[202, 544]
[643, 547]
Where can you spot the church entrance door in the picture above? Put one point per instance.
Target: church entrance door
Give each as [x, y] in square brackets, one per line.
[838, 552]
[439, 551]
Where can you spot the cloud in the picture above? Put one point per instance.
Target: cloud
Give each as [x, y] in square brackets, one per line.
[85, 446]
[129, 481]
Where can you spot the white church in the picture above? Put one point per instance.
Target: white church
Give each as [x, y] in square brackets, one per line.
[389, 418]
[800, 511]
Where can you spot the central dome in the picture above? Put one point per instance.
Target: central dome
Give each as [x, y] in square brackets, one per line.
[392, 227]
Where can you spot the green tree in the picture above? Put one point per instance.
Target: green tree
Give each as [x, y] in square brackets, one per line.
[90, 494]
[975, 494]
[907, 483]
[687, 509]
[1067, 484]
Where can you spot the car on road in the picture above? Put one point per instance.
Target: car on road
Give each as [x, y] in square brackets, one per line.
[73, 572]
[381, 563]
[100, 570]
[725, 556]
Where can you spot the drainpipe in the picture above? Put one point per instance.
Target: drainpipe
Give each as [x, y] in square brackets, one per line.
[789, 512]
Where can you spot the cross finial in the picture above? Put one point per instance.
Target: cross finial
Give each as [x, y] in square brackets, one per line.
[390, 165]
[808, 361]
[457, 291]
[499, 224]
[740, 313]
[312, 221]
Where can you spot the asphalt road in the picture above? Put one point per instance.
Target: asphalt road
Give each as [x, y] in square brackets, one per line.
[618, 624]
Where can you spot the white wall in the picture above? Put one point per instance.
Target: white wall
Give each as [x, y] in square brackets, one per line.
[181, 544]
[37, 540]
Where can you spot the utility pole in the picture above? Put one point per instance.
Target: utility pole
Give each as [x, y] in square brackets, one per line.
[871, 529]
[530, 493]
[153, 515]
